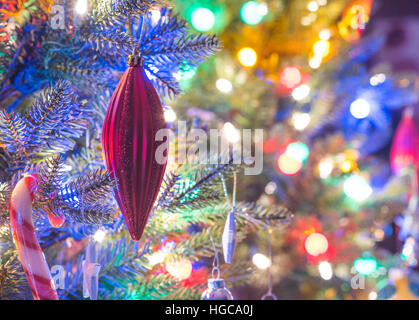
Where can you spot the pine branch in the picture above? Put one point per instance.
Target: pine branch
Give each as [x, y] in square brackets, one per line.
[14, 133]
[119, 10]
[55, 120]
[49, 176]
[87, 199]
[5, 194]
[121, 266]
[194, 190]
[273, 213]
[193, 49]
[13, 282]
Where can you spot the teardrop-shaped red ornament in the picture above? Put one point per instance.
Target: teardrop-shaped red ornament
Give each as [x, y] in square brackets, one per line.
[405, 146]
[133, 118]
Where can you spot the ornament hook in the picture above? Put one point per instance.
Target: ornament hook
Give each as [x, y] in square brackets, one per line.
[216, 261]
[269, 294]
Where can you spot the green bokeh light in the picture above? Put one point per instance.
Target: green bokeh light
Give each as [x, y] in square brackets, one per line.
[250, 13]
[298, 151]
[202, 19]
[365, 266]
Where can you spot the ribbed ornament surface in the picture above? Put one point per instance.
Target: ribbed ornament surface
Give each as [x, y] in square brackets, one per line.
[134, 116]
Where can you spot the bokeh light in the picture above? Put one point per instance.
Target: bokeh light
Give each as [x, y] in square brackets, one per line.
[288, 165]
[261, 261]
[357, 188]
[365, 266]
[180, 270]
[169, 114]
[81, 7]
[312, 6]
[377, 79]
[326, 167]
[321, 48]
[202, 19]
[250, 12]
[99, 235]
[224, 85]
[231, 133]
[324, 34]
[247, 57]
[325, 270]
[298, 150]
[300, 120]
[290, 77]
[316, 243]
[360, 108]
[301, 92]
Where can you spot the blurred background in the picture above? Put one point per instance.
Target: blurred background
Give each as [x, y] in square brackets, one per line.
[334, 85]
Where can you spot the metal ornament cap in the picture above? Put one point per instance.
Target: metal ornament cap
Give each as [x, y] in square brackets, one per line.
[216, 290]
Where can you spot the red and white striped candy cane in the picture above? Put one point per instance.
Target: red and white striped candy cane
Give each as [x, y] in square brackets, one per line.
[30, 254]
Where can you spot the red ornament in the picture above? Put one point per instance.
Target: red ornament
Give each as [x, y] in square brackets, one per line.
[405, 147]
[289, 78]
[132, 120]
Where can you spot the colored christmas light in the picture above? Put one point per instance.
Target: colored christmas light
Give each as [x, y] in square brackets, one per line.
[312, 6]
[251, 13]
[81, 7]
[157, 257]
[324, 34]
[288, 165]
[155, 15]
[224, 85]
[347, 165]
[315, 62]
[169, 114]
[247, 57]
[290, 77]
[261, 261]
[180, 270]
[99, 235]
[298, 151]
[321, 48]
[377, 79]
[202, 19]
[300, 120]
[325, 270]
[270, 187]
[326, 167]
[316, 243]
[357, 188]
[365, 266]
[360, 108]
[301, 92]
[231, 133]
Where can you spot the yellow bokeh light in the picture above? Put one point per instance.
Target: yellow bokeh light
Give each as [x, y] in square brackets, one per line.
[247, 57]
[288, 165]
[321, 48]
[347, 165]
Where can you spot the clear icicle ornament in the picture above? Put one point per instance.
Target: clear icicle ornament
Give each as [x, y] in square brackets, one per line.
[216, 286]
[229, 233]
[229, 238]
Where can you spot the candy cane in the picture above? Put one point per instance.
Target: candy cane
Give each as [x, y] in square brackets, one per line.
[30, 254]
